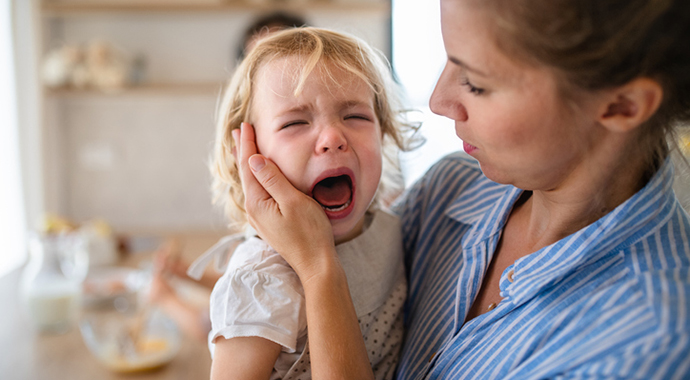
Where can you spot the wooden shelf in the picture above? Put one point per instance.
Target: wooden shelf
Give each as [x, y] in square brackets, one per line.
[210, 89]
[66, 8]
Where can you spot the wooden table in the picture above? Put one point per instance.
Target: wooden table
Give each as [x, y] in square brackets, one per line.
[28, 354]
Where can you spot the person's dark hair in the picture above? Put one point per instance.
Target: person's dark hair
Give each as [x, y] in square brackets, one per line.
[275, 20]
[599, 44]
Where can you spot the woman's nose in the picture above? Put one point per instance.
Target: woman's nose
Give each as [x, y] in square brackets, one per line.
[331, 138]
[446, 98]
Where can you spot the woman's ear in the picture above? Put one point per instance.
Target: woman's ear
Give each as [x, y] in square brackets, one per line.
[627, 107]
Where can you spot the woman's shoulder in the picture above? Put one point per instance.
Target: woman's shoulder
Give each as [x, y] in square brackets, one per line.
[457, 163]
[668, 295]
[443, 182]
[449, 174]
[659, 263]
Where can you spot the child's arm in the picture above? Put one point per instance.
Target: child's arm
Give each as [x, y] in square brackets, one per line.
[298, 229]
[192, 319]
[244, 358]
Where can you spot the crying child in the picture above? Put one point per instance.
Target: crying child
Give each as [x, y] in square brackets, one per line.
[321, 106]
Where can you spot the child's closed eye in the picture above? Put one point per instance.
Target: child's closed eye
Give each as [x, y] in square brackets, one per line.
[294, 123]
[358, 117]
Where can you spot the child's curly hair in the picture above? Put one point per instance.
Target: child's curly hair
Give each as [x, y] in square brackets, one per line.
[329, 50]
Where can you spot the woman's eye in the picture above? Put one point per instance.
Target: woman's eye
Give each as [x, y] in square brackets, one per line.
[474, 90]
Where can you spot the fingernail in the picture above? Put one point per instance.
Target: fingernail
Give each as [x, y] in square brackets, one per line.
[257, 163]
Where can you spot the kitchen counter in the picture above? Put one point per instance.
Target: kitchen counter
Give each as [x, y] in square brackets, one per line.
[28, 354]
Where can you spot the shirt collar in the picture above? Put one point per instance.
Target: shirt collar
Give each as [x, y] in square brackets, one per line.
[486, 205]
[627, 224]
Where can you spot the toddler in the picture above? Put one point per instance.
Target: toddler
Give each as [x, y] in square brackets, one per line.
[322, 107]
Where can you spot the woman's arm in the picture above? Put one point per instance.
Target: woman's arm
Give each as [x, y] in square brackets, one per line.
[336, 345]
[296, 226]
[244, 358]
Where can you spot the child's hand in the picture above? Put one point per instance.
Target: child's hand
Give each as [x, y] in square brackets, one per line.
[161, 291]
[294, 224]
[166, 259]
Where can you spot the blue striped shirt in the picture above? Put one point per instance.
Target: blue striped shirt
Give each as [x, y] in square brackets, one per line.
[609, 301]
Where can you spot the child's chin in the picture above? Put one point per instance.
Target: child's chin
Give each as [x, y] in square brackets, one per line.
[343, 232]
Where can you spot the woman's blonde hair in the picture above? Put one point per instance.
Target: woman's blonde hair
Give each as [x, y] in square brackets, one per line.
[314, 47]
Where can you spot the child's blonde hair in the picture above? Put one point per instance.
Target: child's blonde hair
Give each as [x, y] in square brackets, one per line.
[328, 50]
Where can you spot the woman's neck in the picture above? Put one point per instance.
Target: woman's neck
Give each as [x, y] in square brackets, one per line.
[591, 192]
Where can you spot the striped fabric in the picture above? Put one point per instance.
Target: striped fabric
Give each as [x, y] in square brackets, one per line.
[610, 301]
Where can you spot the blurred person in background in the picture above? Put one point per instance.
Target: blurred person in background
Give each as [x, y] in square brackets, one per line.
[191, 315]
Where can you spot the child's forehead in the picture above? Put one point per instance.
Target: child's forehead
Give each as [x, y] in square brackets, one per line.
[282, 84]
[293, 69]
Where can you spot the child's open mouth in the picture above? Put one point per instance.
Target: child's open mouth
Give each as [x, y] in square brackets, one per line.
[334, 194]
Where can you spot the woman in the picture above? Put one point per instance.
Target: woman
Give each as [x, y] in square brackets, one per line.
[560, 250]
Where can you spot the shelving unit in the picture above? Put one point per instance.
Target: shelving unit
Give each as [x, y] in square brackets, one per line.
[83, 7]
[137, 157]
[58, 15]
[149, 89]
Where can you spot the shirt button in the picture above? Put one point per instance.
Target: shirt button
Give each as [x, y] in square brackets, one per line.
[510, 276]
[432, 357]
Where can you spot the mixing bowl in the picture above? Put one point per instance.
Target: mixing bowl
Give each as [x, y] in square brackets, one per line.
[125, 338]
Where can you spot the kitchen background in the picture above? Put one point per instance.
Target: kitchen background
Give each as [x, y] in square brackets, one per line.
[107, 113]
[136, 154]
[106, 125]
[132, 148]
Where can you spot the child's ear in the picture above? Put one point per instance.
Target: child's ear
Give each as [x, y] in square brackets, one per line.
[627, 107]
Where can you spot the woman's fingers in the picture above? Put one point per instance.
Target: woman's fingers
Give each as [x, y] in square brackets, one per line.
[246, 147]
[290, 221]
[272, 180]
[263, 183]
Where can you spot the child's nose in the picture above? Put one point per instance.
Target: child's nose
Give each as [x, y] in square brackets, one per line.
[331, 139]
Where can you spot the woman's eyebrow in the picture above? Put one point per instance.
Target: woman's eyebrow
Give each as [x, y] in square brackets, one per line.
[467, 67]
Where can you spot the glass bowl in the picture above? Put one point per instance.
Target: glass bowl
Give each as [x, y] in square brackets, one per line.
[108, 334]
[103, 285]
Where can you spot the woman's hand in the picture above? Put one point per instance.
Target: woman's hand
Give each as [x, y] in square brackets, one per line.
[294, 224]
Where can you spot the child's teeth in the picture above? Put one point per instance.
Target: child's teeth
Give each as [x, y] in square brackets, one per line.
[343, 207]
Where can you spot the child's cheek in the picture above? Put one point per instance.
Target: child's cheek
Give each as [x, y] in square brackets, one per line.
[293, 172]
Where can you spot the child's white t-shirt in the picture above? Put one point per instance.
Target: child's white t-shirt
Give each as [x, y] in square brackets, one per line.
[260, 295]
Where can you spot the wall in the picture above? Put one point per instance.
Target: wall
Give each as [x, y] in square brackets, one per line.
[138, 159]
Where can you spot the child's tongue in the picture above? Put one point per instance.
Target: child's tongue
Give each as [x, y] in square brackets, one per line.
[332, 192]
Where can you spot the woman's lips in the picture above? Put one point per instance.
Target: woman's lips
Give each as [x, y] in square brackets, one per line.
[468, 148]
